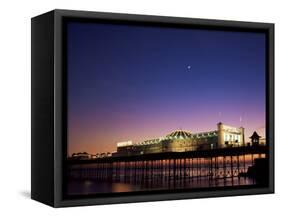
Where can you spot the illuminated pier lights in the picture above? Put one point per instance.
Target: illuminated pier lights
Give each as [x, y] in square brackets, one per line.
[182, 141]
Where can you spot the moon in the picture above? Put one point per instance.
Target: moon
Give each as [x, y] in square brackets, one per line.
[189, 67]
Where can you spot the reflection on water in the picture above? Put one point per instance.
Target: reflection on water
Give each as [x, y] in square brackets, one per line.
[84, 187]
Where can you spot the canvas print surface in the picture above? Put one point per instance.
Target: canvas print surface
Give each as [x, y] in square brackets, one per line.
[156, 108]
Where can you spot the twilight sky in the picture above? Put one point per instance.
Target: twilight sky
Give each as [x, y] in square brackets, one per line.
[136, 83]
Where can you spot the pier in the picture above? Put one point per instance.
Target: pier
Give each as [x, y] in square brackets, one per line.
[216, 166]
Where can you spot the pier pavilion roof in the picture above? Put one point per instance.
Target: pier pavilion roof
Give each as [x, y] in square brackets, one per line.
[179, 134]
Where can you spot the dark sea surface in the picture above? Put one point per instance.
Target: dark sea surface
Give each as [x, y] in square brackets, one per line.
[90, 186]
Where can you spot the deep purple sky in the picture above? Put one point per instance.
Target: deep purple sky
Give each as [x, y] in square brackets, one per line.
[134, 83]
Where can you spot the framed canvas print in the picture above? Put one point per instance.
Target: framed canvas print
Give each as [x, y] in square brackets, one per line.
[130, 108]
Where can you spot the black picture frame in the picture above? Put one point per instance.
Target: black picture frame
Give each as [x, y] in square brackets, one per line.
[49, 107]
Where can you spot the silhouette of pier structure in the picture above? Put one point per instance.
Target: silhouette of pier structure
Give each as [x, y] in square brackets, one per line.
[224, 165]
